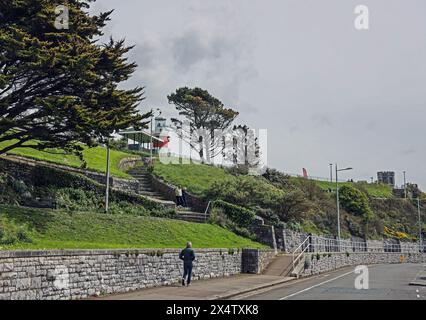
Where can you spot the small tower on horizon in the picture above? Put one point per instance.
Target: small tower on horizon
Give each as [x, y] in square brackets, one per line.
[386, 177]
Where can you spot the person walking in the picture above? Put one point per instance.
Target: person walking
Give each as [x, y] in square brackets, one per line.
[188, 256]
[178, 193]
[184, 193]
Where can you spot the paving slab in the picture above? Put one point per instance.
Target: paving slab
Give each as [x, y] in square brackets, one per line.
[212, 289]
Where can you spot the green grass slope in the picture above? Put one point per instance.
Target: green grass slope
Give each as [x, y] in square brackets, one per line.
[94, 157]
[199, 177]
[374, 190]
[51, 229]
[196, 177]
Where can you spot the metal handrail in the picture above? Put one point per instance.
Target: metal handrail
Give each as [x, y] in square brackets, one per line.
[338, 246]
[207, 209]
[301, 253]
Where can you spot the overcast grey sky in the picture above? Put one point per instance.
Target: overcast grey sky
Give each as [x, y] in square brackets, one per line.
[325, 91]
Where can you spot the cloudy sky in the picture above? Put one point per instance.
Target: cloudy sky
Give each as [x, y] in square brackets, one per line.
[325, 91]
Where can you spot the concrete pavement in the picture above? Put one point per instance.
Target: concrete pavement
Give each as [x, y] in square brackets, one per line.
[219, 288]
[386, 282]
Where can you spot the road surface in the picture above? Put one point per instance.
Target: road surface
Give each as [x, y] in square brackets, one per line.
[386, 282]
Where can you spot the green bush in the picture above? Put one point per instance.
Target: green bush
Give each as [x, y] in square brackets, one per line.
[241, 216]
[355, 201]
[218, 217]
[11, 233]
[246, 191]
[78, 199]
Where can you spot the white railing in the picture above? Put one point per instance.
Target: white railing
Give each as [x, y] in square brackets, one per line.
[302, 247]
[328, 245]
[207, 210]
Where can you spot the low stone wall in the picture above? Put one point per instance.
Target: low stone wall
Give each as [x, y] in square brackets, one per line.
[77, 274]
[22, 168]
[128, 163]
[332, 261]
[265, 234]
[255, 261]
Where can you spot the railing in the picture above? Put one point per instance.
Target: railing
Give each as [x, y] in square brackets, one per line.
[300, 247]
[328, 245]
[206, 211]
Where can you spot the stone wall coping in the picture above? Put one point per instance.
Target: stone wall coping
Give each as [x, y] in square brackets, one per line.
[99, 252]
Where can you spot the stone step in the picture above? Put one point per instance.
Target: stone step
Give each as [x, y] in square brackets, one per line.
[164, 202]
[195, 220]
[151, 194]
[192, 213]
[141, 177]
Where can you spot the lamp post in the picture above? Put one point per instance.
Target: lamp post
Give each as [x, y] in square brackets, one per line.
[331, 172]
[337, 199]
[420, 225]
[405, 186]
[152, 144]
[107, 179]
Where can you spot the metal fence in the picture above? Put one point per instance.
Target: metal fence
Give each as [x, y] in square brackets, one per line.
[330, 245]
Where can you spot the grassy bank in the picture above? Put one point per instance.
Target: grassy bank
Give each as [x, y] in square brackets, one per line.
[51, 229]
[94, 157]
[196, 177]
[374, 190]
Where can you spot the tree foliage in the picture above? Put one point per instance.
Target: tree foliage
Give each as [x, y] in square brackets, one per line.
[355, 201]
[203, 115]
[60, 87]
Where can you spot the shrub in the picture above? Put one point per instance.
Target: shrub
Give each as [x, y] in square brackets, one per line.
[355, 201]
[11, 233]
[218, 217]
[307, 263]
[241, 216]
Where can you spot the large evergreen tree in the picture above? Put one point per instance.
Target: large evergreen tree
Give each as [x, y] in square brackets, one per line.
[61, 87]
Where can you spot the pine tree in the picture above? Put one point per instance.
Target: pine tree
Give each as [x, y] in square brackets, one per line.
[62, 87]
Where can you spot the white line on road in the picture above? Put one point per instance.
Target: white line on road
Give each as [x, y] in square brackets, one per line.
[317, 285]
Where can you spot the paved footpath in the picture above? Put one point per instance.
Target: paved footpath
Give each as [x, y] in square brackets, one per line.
[218, 288]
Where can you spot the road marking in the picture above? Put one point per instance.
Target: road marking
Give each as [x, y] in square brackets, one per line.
[317, 285]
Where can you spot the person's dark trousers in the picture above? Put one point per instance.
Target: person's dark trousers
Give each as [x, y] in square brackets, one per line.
[187, 272]
[184, 200]
[178, 201]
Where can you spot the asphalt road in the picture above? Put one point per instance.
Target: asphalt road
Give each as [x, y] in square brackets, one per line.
[386, 282]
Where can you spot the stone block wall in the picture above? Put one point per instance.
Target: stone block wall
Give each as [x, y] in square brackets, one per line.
[22, 168]
[265, 234]
[76, 274]
[333, 261]
[255, 261]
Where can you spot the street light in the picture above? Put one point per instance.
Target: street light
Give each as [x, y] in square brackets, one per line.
[405, 186]
[107, 177]
[152, 144]
[331, 172]
[420, 225]
[337, 199]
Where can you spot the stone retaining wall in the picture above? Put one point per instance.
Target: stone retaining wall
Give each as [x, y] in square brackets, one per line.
[332, 261]
[77, 274]
[255, 261]
[22, 168]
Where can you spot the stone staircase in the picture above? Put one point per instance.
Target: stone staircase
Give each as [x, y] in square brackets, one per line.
[281, 266]
[141, 174]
